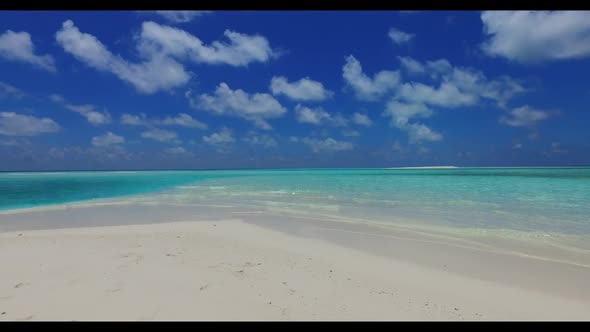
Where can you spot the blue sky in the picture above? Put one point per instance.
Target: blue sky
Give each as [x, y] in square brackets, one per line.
[225, 89]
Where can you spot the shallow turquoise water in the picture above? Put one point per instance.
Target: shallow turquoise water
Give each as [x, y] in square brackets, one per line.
[526, 199]
[31, 189]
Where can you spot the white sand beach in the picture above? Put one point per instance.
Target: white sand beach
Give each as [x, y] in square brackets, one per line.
[236, 269]
[424, 167]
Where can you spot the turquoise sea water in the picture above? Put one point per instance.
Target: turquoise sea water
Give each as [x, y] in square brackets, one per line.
[524, 199]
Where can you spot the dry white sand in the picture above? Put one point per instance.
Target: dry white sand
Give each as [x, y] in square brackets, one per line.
[234, 270]
[423, 167]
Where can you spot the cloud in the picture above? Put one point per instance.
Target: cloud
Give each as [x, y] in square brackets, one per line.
[476, 83]
[107, 139]
[531, 37]
[305, 89]
[181, 16]
[257, 107]
[401, 114]
[399, 37]
[183, 120]
[225, 135]
[446, 95]
[326, 145]
[175, 150]
[160, 49]
[158, 72]
[18, 46]
[525, 116]
[318, 116]
[180, 120]
[14, 142]
[410, 65]
[160, 135]
[13, 124]
[453, 87]
[263, 140]
[418, 132]
[440, 66]
[7, 90]
[364, 87]
[458, 86]
[88, 111]
[137, 120]
[242, 49]
[361, 119]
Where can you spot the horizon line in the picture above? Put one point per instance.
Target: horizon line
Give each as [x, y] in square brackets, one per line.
[284, 168]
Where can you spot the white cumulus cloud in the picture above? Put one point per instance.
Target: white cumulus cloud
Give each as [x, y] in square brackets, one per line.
[160, 135]
[107, 139]
[242, 49]
[183, 120]
[401, 114]
[260, 139]
[7, 90]
[92, 116]
[18, 46]
[536, 36]
[161, 48]
[135, 120]
[419, 132]
[525, 116]
[180, 120]
[86, 110]
[257, 107]
[305, 89]
[148, 76]
[225, 135]
[399, 37]
[14, 124]
[411, 65]
[457, 86]
[318, 116]
[361, 119]
[452, 87]
[367, 88]
[446, 95]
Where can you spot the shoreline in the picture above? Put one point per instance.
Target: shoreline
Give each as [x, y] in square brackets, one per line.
[146, 200]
